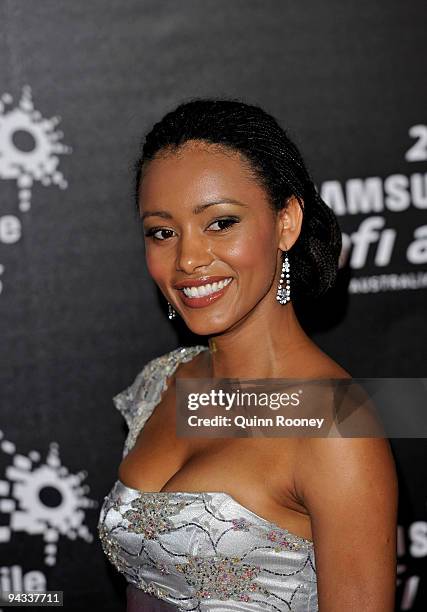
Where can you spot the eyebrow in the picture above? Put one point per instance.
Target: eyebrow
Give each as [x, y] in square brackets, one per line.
[196, 210]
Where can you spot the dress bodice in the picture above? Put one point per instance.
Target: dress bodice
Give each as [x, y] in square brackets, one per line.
[200, 551]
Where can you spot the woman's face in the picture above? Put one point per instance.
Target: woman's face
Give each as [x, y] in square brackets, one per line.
[207, 220]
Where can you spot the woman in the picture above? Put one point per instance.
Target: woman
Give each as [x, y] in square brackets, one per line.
[235, 234]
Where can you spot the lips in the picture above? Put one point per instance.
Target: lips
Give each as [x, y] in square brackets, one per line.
[205, 300]
[197, 282]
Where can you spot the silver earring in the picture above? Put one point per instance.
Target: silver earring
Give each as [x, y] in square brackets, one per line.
[284, 293]
[171, 312]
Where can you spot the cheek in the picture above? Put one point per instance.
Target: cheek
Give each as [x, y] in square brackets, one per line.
[253, 250]
[157, 267]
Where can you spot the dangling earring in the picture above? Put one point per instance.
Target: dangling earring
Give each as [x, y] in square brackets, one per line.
[284, 293]
[171, 312]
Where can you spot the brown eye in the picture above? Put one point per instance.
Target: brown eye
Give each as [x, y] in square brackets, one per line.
[227, 221]
[151, 233]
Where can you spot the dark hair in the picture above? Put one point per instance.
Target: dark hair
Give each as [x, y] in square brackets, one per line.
[275, 161]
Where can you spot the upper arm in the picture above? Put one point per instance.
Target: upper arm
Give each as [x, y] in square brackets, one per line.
[349, 487]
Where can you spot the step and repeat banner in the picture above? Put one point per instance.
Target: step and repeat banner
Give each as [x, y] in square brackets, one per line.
[80, 83]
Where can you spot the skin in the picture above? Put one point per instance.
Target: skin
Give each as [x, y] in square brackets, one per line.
[340, 492]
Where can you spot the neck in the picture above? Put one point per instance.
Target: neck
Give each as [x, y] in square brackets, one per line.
[263, 345]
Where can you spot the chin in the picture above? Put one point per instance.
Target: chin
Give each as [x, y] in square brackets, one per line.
[204, 327]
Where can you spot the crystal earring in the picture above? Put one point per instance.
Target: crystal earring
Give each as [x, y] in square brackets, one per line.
[284, 293]
[171, 312]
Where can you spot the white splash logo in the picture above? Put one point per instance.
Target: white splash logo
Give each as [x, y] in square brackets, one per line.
[29, 146]
[44, 500]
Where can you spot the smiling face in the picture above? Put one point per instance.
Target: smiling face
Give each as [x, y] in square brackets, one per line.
[207, 219]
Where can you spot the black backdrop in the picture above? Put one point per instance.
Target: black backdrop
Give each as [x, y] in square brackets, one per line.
[80, 83]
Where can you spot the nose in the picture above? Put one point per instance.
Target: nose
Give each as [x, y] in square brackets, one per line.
[193, 252]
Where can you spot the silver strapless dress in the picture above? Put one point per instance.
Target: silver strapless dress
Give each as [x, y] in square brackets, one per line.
[198, 551]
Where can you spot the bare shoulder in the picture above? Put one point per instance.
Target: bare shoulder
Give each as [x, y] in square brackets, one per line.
[341, 458]
[331, 463]
[318, 364]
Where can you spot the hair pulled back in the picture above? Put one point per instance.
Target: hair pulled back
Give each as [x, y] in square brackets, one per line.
[275, 162]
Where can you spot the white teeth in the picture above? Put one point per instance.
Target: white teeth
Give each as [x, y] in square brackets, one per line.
[206, 289]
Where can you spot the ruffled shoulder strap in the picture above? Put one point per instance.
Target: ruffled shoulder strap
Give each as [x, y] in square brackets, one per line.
[126, 401]
[137, 402]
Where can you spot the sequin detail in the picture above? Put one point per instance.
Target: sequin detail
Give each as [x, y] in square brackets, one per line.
[149, 516]
[282, 541]
[151, 589]
[112, 549]
[221, 577]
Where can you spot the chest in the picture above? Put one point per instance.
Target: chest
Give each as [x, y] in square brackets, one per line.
[257, 471]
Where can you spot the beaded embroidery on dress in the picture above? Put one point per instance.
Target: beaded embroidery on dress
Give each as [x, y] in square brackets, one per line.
[200, 551]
